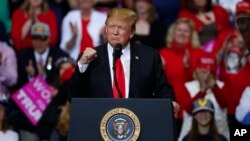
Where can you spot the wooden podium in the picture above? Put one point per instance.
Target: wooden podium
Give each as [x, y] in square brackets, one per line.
[97, 119]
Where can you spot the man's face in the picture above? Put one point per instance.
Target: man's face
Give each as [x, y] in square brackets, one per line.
[118, 31]
[40, 43]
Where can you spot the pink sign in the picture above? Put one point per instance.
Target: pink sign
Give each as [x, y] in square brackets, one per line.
[33, 98]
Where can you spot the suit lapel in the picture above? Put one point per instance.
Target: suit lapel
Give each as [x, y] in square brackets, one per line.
[34, 61]
[134, 71]
[106, 75]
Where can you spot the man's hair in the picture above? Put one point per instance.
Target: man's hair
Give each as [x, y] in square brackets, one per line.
[123, 14]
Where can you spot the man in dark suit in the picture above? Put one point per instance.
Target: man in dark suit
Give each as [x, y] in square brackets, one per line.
[39, 60]
[143, 75]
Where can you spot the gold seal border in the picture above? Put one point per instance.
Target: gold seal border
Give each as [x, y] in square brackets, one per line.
[116, 111]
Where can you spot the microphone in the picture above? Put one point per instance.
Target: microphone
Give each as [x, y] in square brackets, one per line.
[117, 51]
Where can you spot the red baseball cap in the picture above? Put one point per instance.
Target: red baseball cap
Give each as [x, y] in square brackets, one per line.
[207, 61]
[236, 50]
[243, 6]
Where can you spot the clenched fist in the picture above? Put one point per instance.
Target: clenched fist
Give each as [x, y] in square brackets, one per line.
[88, 55]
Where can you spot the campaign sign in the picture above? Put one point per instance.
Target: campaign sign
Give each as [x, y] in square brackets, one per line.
[33, 98]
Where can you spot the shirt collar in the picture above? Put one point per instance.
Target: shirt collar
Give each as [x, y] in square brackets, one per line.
[44, 55]
[125, 50]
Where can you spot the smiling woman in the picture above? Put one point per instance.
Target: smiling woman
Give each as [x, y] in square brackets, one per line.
[181, 52]
[203, 123]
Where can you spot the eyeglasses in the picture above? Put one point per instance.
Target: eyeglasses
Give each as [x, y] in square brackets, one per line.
[38, 37]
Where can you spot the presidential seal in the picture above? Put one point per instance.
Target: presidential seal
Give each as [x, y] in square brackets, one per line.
[120, 124]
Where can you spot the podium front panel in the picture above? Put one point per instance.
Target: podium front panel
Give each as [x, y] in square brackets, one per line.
[155, 117]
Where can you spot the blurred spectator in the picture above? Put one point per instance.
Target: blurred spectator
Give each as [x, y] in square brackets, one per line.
[61, 131]
[14, 4]
[126, 3]
[179, 57]
[82, 28]
[31, 12]
[61, 8]
[59, 103]
[4, 37]
[5, 14]
[203, 123]
[167, 10]
[39, 60]
[233, 34]
[105, 5]
[205, 85]
[209, 19]
[73, 4]
[229, 6]
[242, 112]
[149, 30]
[8, 70]
[6, 133]
[234, 72]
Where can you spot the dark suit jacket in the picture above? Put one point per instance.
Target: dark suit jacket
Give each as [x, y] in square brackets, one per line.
[147, 78]
[28, 54]
[50, 115]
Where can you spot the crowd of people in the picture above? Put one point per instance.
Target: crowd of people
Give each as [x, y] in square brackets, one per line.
[201, 52]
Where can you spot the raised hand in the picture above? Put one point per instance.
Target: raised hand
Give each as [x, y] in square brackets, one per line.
[30, 69]
[88, 56]
[186, 58]
[73, 28]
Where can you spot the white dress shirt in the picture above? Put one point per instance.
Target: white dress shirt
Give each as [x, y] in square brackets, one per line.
[125, 59]
[43, 56]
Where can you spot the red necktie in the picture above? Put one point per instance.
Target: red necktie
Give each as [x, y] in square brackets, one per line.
[120, 77]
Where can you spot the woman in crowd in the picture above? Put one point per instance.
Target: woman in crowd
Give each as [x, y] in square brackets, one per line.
[62, 128]
[209, 20]
[179, 58]
[206, 85]
[82, 28]
[149, 30]
[31, 12]
[234, 72]
[203, 123]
